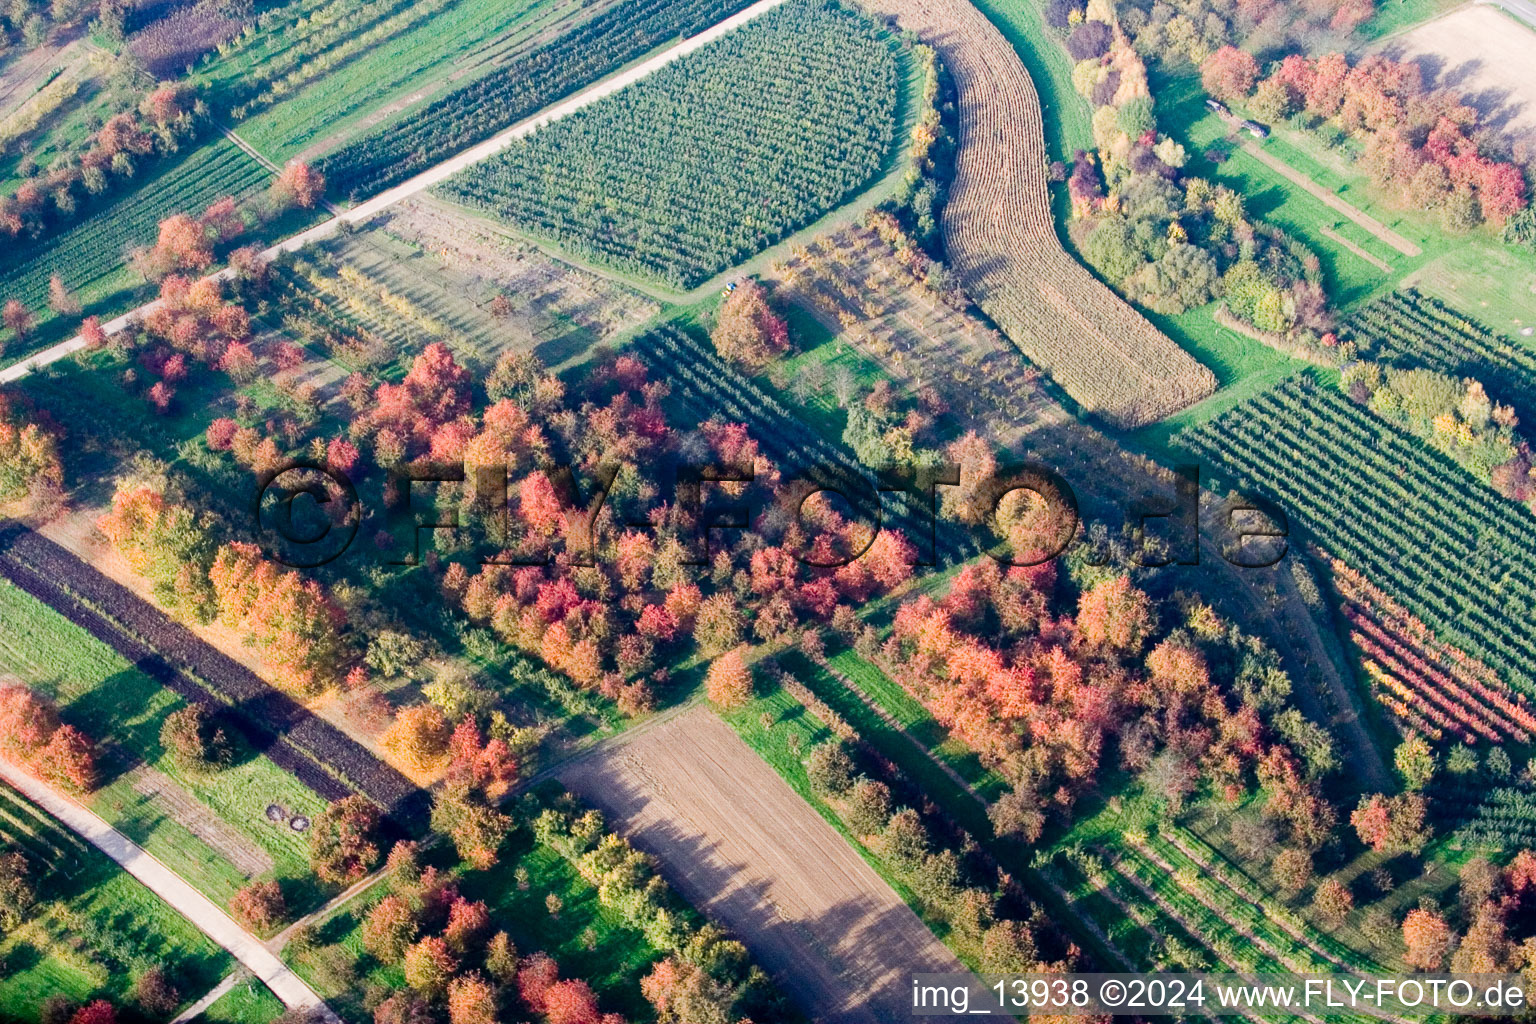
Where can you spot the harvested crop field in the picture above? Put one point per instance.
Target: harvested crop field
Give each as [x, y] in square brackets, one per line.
[1484, 54]
[738, 843]
[1000, 236]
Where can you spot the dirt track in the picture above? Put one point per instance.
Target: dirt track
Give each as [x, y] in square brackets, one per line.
[740, 845]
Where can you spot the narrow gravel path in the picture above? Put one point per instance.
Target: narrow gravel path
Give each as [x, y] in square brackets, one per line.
[210, 997]
[172, 888]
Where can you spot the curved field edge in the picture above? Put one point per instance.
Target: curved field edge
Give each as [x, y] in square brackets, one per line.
[1001, 236]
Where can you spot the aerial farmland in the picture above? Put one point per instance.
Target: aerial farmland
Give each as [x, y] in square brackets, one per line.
[725, 512]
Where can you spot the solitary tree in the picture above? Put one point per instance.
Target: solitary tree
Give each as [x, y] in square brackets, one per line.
[1427, 937]
[259, 906]
[1229, 73]
[343, 842]
[729, 683]
[17, 318]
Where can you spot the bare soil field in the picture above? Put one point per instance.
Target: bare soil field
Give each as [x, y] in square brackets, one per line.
[1487, 56]
[1000, 236]
[22, 77]
[741, 846]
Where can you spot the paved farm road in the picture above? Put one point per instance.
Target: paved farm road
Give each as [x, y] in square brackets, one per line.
[426, 179]
[169, 886]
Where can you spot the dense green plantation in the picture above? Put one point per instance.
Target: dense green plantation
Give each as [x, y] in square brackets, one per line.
[314, 70]
[91, 256]
[1410, 329]
[94, 928]
[580, 56]
[1498, 814]
[711, 159]
[1413, 522]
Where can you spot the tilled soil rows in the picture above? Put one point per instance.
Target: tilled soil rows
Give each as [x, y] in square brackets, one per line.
[314, 751]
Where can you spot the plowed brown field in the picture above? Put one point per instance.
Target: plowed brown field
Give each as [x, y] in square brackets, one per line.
[1001, 239]
[735, 840]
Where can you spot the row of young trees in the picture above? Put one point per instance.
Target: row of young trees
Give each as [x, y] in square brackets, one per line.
[704, 975]
[1426, 147]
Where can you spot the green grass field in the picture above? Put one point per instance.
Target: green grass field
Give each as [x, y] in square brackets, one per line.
[249, 1002]
[115, 704]
[1474, 271]
[912, 717]
[454, 42]
[95, 928]
[1394, 16]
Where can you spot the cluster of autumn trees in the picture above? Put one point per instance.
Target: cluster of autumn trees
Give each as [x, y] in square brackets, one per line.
[1425, 147]
[609, 625]
[1170, 241]
[164, 119]
[451, 958]
[32, 736]
[1180, 31]
[1188, 700]
[289, 617]
[1497, 906]
[29, 455]
[458, 964]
